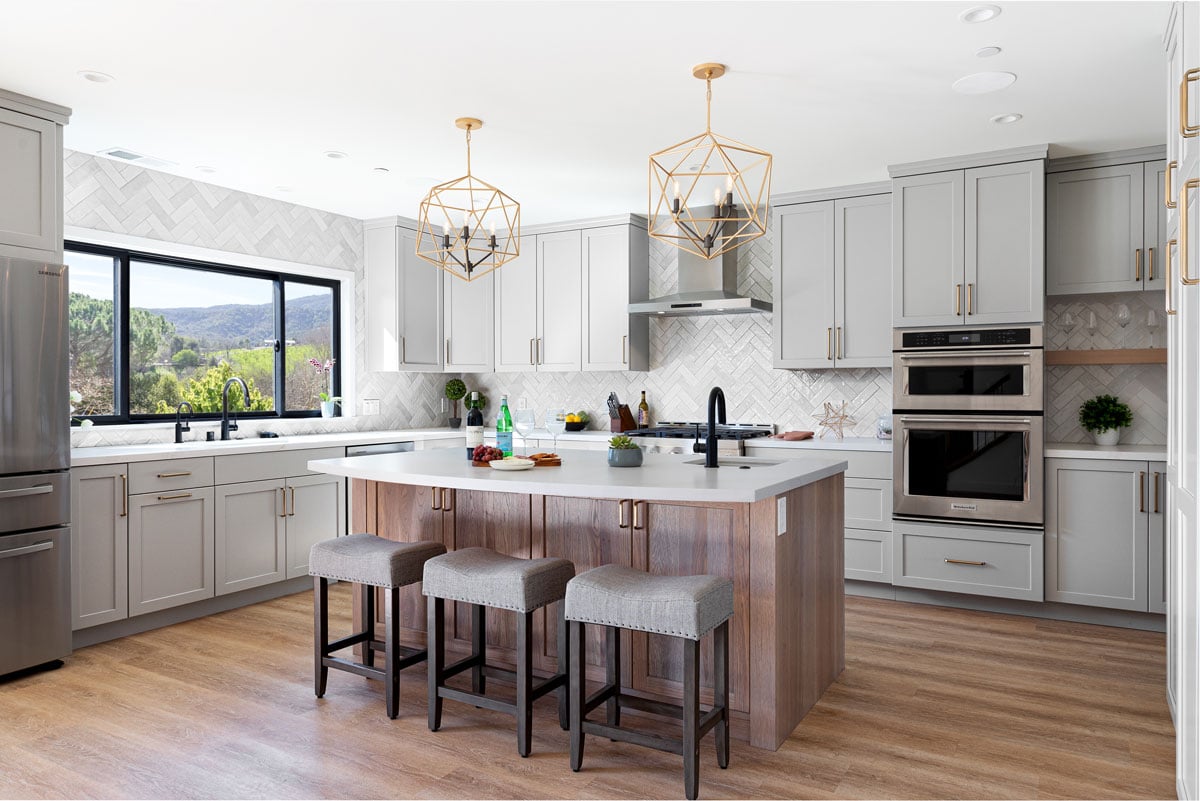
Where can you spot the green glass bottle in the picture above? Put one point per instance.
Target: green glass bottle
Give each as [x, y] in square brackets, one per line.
[504, 428]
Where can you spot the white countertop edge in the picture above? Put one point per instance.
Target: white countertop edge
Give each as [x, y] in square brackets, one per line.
[632, 483]
[1087, 450]
[815, 444]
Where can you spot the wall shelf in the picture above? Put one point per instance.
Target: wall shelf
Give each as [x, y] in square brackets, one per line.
[1116, 356]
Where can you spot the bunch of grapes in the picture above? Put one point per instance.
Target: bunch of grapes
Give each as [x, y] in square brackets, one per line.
[486, 453]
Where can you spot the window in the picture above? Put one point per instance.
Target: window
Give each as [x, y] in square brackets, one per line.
[148, 332]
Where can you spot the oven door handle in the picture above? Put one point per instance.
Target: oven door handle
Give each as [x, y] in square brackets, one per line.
[974, 418]
[970, 354]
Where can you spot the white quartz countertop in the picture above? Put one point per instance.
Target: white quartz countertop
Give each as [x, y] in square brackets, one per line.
[829, 444]
[1081, 450]
[586, 474]
[109, 454]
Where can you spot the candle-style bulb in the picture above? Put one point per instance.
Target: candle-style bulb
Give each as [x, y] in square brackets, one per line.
[446, 229]
[492, 228]
[678, 194]
[716, 197]
[728, 184]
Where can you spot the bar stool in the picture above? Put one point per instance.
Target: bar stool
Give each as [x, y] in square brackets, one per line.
[687, 607]
[370, 562]
[484, 578]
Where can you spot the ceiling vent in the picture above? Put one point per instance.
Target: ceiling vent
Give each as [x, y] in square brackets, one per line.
[125, 154]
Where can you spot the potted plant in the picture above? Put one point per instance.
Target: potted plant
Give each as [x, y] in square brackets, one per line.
[1104, 416]
[328, 399]
[624, 452]
[455, 390]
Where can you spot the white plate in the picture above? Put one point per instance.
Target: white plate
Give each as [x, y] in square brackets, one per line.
[511, 463]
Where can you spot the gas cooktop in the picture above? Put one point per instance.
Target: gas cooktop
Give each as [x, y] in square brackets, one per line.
[679, 430]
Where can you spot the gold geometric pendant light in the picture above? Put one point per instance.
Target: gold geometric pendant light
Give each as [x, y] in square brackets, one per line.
[709, 194]
[466, 226]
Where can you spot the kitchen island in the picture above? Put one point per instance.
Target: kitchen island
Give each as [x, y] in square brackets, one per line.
[773, 528]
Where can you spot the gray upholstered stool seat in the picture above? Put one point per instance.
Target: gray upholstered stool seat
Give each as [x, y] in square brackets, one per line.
[678, 606]
[486, 578]
[368, 559]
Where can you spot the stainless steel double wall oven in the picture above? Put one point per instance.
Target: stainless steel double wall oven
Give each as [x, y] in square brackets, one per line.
[968, 425]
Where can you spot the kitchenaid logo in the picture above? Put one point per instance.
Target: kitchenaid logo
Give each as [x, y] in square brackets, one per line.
[51, 273]
[964, 507]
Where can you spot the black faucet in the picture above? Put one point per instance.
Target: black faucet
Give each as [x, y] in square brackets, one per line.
[226, 425]
[716, 414]
[180, 424]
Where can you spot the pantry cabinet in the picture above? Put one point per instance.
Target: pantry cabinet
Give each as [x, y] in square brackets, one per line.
[31, 216]
[99, 545]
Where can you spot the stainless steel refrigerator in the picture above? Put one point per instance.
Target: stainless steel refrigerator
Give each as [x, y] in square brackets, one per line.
[35, 459]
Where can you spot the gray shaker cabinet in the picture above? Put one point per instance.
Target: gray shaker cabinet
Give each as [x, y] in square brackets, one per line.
[31, 170]
[171, 549]
[928, 242]
[316, 512]
[403, 305]
[99, 545]
[1101, 517]
[251, 533]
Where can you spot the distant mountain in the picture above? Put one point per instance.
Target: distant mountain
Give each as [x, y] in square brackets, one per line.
[244, 324]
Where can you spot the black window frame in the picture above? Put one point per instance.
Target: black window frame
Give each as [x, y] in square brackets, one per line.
[123, 257]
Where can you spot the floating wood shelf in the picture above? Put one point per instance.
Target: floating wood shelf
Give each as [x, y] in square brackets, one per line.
[1117, 356]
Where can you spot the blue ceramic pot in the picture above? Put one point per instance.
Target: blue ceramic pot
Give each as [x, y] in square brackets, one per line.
[625, 457]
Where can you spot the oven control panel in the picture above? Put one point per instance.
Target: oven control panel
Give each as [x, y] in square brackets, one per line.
[958, 338]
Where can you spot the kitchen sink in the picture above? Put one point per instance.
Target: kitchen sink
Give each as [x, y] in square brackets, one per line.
[737, 461]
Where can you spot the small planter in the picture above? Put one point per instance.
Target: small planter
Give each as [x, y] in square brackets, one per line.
[328, 408]
[1109, 436]
[454, 422]
[625, 457]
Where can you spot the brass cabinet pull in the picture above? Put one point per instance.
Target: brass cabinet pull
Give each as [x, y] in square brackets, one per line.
[403, 351]
[174, 497]
[1186, 130]
[1168, 195]
[436, 506]
[1137, 264]
[447, 351]
[1156, 490]
[292, 494]
[1184, 277]
[624, 349]
[1141, 490]
[1170, 299]
[964, 562]
[531, 361]
[638, 523]
[829, 344]
[958, 300]
[124, 495]
[175, 475]
[445, 508]
[621, 515]
[840, 355]
[970, 298]
[1150, 264]
[282, 502]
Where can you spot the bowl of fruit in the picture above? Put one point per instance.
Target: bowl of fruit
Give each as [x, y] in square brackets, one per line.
[578, 421]
[485, 454]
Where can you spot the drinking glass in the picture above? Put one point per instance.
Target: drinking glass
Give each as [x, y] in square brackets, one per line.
[524, 423]
[1091, 328]
[1123, 319]
[1067, 323]
[556, 423]
[1152, 325]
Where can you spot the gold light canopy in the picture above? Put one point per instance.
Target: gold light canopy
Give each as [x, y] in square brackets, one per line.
[466, 226]
[709, 194]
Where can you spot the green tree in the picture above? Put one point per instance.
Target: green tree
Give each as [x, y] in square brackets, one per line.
[186, 359]
[149, 339]
[203, 391]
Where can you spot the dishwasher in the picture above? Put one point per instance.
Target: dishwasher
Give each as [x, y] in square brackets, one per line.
[368, 450]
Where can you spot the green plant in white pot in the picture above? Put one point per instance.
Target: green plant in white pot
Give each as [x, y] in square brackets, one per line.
[624, 452]
[1104, 416]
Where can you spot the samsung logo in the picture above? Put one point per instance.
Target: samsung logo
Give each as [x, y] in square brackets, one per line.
[964, 507]
[51, 273]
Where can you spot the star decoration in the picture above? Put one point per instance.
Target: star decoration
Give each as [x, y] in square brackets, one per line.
[833, 420]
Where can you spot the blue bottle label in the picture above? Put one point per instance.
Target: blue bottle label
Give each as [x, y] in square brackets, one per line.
[504, 442]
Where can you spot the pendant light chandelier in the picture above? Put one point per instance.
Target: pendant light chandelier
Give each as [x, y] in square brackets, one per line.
[709, 194]
[468, 227]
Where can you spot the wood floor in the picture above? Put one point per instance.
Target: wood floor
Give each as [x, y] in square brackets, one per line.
[934, 703]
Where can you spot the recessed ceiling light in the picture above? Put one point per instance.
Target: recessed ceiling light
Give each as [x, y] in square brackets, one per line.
[979, 14]
[95, 76]
[981, 83]
[987, 52]
[1006, 119]
[205, 168]
[335, 154]
[380, 170]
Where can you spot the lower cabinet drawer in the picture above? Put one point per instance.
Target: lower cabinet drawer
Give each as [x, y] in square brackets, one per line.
[868, 503]
[868, 555]
[1001, 562]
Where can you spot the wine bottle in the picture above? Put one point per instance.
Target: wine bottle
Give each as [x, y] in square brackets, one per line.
[504, 428]
[643, 418]
[474, 426]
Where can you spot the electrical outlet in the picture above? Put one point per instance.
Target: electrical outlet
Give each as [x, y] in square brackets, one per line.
[370, 406]
[445, 405]
[781, 516]
[522, 403]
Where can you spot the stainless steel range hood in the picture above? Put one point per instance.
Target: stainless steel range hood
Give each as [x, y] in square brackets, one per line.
[706, 286]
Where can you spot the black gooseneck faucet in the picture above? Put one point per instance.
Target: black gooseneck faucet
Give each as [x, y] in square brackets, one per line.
[716, 414]
[227, 426]
[180, 424]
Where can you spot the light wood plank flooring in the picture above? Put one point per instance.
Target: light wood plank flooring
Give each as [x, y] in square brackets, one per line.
[934, 703]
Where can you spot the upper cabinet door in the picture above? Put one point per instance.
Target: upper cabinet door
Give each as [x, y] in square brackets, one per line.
[419, 288]
[927, 249]
[560, 301]
[516, 311]
[862, 281]
[803, 321]
[1005, 243]
[612, 339]
[1094, 223]
[1154, 224]
[383, 321]
[29, 159]
[468, 323]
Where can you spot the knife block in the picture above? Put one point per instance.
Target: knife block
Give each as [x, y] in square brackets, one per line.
[623, 423]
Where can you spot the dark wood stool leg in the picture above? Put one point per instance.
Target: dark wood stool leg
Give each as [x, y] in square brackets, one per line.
[524, 683]
[478, 647]
[320, 633]
[575, 672]
[367, 598]
[691, 718]
[612, 671]
[391, 639]
[564, 718]
[435, 647]
[721, 691]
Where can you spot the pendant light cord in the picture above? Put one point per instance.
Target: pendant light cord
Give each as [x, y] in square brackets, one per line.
[708, 101]
[468, 150]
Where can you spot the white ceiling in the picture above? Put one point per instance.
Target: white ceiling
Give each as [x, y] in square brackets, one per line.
[574, 95]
